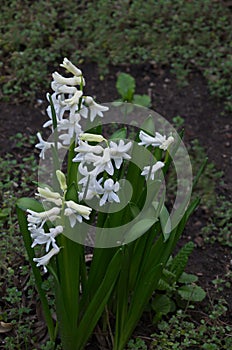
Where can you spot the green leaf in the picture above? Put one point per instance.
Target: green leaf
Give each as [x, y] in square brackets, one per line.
[71, 194]
[119, 134]
[141, 296]
[165, 223]
[200, 171]
[54, 119]
[4, 213]
[191, 293]
[162, 304]
[139, 228]
[134, 209]
[187, 278]
[179, 262]
[98, 302]
[29, 203]
[126, 86]
[142, 100]
[148, 125]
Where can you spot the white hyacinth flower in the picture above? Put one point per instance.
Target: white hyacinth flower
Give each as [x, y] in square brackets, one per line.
[59, 79]
[149, 171]
[90, 186]
[76, 212]
[59, 109]
[103, 163]
[44, 260]
[83, 149]
[39, 236]
[50, 196]
[167, 143]
[35, 218]
[74, 100]
[118, 152]
[71, 68]
[158, 141]
[109, 188]
[94, 108]
[44, 145]
[64, 89]
[72, 126]
[93, 189]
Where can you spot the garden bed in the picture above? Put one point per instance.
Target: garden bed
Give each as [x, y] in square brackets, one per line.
[204, 119]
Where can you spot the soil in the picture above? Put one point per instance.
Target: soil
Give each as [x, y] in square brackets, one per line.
[205, 119]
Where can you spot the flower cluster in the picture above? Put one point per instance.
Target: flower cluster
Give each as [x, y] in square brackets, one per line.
[98, 160]
[36, 220]
[159, 140]
[70, 106]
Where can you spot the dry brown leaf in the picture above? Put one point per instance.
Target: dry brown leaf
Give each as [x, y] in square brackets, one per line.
[5, 327]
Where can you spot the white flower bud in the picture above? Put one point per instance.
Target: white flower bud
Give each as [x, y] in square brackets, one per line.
[66, 81]
[70, 67]
[91, 137]
[62, 180]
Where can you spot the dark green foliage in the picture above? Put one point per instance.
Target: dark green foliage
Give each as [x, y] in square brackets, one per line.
[183, 34]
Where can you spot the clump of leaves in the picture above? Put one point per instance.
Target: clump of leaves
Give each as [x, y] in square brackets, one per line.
[181, 333]
[176, 286]
[126, 88]
[219, 224]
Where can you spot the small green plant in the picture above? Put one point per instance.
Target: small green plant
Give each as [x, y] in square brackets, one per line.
[181, 333]
[136, 344]
[219, 224]
[207, 183]
[176, 286]
[126, 89]
[16, 179]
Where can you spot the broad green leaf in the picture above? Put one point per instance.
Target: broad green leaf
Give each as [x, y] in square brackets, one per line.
[139, 228]
[191, 293]
[187, 278]
[148, 125]
[126, 86]
[29, 203]
[140, 298]
[165, 223]
[162, 304]
[142, 100]
[141, 249]
[97, 271]
[4, 213]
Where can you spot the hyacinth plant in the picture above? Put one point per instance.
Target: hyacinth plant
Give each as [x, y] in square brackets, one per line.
[104, 279]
